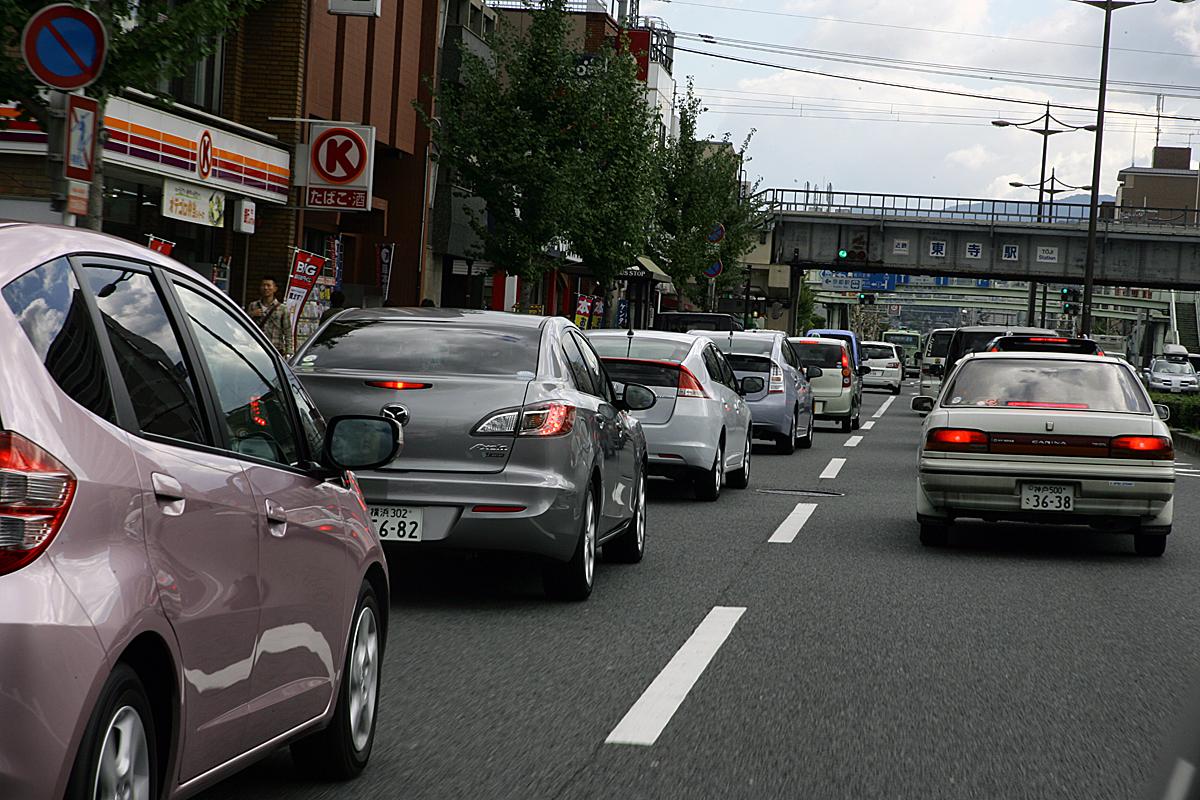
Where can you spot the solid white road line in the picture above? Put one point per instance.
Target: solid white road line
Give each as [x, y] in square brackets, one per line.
[1181, 780]
[788, 529]
[853, 441]
[883, 408]
[646, 720]
[835, 466]
[866, 426]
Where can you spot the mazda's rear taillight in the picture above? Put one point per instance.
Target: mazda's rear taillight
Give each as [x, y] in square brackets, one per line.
[1157, 448]
[957, 440]
[688, 385]
[541, 419]
[776, 380]
[35, 494]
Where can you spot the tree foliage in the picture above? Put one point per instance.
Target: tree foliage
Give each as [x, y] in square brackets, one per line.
[700, 187]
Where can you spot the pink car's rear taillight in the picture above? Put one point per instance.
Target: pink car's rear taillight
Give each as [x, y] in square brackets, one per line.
[35, 493]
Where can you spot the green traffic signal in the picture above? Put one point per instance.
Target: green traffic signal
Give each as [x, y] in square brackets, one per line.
[843, 253]
[1065, 291]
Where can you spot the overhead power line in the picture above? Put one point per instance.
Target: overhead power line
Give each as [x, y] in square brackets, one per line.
[940, 31]
[927, 89]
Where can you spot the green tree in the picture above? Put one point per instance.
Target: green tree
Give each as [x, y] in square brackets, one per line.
[700, 187]
[148, 40]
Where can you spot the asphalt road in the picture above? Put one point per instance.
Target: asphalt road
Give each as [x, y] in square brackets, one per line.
[1020, 663]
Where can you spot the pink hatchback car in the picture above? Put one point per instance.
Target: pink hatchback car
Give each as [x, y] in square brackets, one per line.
[188, 576]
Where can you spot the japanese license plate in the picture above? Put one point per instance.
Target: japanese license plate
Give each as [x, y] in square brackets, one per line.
[398, 523]
[1047, 497]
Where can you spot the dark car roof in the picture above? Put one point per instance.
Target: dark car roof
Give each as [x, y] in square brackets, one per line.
[434, 316]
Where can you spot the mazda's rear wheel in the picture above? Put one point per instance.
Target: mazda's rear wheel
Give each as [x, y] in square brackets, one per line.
[630, 545]
[573, 579]
[341, 751]
[117, 757]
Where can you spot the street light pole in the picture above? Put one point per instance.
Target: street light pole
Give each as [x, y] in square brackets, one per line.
[1089, 271]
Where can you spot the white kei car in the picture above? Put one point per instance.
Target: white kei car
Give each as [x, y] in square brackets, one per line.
[887, 366]
[1061, 439]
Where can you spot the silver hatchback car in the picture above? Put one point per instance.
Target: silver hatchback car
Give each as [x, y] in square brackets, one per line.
[515, 439]
[188, 578]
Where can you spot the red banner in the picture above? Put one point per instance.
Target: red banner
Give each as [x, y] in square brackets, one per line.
[302, 277]
[160, 245]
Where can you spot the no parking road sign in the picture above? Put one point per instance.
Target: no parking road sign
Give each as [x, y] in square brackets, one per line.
[64, 46]
[340, 167]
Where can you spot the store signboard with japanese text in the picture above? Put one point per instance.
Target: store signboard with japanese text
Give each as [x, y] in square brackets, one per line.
[190, 202]
[340, 167]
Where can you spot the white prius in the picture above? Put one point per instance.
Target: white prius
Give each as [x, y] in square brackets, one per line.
[1050, 438]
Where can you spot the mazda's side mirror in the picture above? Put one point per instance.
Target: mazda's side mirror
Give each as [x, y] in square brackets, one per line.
[751, 385]
[636, 397]
[922, 404]
[361, 442]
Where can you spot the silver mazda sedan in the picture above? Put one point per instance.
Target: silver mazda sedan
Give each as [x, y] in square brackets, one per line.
[515, 439]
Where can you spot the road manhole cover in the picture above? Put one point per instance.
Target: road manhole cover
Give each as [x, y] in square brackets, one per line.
[801, 492]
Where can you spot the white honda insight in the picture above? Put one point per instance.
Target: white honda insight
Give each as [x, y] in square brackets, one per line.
[1052, 438]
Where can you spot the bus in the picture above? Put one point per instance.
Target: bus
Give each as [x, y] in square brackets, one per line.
[908, 341]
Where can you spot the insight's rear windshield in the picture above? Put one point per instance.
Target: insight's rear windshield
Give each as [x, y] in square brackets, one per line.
[818, 355]
[408, 348]
[747, 343]
[640, 372]
[1046, 384]
[640, 347]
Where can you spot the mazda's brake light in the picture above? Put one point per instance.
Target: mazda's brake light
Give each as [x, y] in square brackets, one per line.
[36, 490]
[1158, 448]
[689, 386]
[398, 385]
[957, 440]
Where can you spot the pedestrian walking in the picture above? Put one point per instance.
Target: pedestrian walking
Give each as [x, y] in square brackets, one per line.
[272, 316]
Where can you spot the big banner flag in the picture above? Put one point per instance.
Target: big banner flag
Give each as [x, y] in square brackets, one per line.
[306, 267]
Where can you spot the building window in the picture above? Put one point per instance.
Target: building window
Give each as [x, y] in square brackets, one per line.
[200, 86]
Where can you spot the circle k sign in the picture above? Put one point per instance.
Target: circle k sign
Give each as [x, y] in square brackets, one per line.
[339, 156]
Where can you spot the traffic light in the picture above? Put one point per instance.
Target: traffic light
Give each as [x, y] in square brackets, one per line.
[843, 254]
[1072, 301]
[866, 299]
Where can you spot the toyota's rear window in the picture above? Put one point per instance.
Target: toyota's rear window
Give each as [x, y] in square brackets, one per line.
[877, 352]
[744, 363]
[408, 348]
[1046, 384]
[818, 355]
[640, 347]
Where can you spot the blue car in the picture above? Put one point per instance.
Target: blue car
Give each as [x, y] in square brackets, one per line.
[856, 355]
[783, 410]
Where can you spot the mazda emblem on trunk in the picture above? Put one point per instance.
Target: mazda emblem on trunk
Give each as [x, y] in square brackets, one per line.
[395, 411]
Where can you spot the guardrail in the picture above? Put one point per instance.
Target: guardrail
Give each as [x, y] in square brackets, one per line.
[875, 204]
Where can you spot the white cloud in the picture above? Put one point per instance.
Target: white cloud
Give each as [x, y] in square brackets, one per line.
[974, 158]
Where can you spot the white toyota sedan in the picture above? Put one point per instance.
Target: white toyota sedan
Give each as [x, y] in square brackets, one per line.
[1052, 438]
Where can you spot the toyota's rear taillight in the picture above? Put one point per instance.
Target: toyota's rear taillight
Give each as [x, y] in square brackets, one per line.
[1157, 448]
[688, 385]
[957, 440]
[845, 370]
[776, 380]
[35, 493]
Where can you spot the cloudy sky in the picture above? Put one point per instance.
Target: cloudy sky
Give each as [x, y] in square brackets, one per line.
[869, 138]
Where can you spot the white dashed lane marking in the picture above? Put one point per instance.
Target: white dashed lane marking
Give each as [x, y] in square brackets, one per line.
[834, 467]
[866, 426]
[883, 408]
[790, 528]
[853, 441]
[646, 720]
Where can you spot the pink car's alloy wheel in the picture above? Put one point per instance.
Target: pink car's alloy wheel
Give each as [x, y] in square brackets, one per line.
[364, 678]
[124, 769]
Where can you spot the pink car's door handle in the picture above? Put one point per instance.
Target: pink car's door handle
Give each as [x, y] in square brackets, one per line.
[169, 494]
[276, 518]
